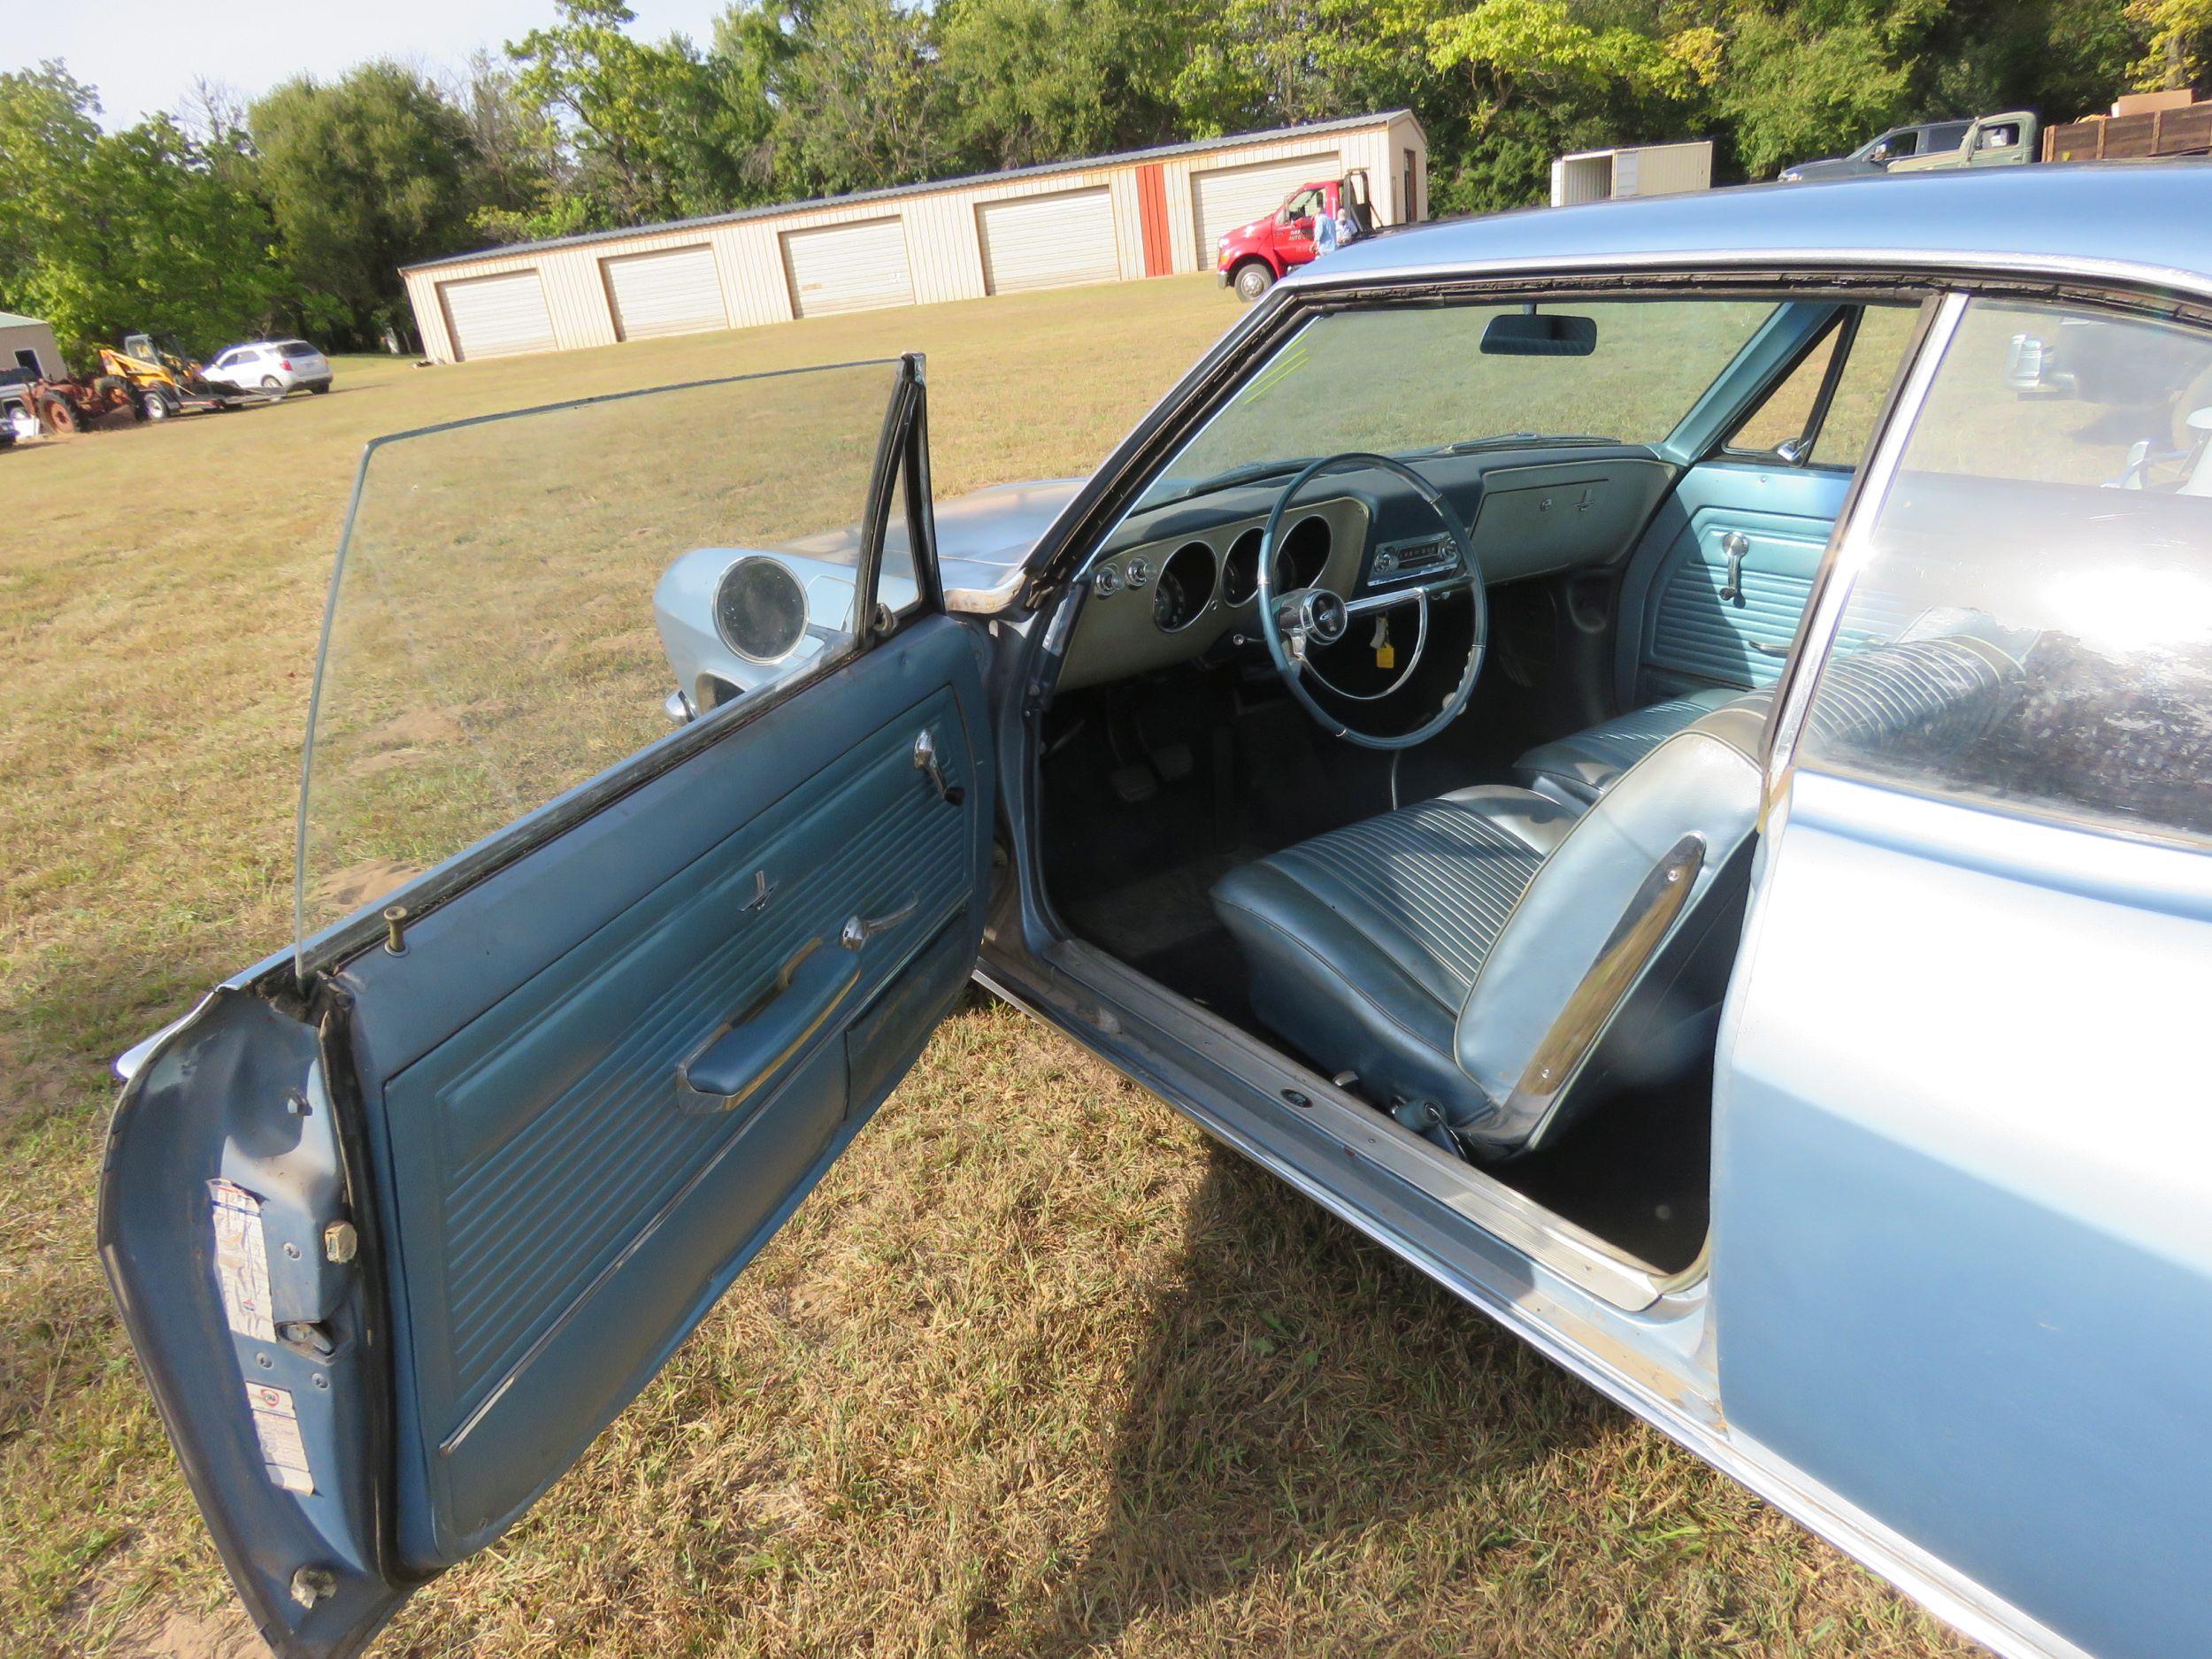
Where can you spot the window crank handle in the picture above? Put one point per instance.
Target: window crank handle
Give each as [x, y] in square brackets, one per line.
[1735, 544]
[925, 763]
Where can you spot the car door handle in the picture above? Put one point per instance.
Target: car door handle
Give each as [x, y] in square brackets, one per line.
[1766, 649]
[858, 930]
[744, 1052]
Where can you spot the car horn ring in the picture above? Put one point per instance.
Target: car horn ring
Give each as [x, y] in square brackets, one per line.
[1289, 622]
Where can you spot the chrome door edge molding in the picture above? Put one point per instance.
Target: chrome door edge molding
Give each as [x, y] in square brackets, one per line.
[1836, 578]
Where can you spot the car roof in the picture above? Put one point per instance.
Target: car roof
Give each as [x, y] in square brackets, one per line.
[2140, 222]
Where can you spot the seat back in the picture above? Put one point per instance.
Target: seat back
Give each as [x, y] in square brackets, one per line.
[1615, 919]
[1626, 881]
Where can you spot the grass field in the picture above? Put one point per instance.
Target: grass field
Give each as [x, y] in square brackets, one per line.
[1035, 1371]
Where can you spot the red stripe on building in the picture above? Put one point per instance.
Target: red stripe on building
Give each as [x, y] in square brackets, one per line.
[1152, 216]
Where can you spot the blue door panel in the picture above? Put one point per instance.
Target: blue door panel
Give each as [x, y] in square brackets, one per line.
[1683, 632]
[1741, 638]
[563, 1206]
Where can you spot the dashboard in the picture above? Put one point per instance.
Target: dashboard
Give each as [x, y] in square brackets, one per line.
[1176, 582]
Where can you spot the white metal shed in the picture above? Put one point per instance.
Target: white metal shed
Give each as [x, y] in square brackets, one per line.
[27, 343]
[1102, 218]
[1607, 175]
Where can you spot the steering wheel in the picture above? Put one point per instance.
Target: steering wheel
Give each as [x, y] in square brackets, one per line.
[1294, 622]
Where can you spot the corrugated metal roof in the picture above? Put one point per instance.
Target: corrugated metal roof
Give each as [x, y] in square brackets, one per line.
[10, 320]
[1343, 123]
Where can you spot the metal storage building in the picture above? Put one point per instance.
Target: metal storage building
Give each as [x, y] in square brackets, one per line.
[1606, 175]
[27, 343]
[1104, 219]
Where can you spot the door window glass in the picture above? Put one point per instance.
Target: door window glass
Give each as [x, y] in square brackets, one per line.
[2032, 624]
[525, 602]
[1862, 388]
[1828, 406]
[1787, 411]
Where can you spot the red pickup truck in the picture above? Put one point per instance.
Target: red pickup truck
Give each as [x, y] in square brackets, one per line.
[1252, 256]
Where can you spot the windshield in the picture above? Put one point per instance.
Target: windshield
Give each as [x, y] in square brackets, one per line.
[1416, 378]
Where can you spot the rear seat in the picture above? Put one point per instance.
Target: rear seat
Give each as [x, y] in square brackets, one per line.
[1576, 769]
[1940, 687]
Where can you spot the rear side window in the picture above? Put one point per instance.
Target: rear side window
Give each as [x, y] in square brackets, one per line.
[2033, 625]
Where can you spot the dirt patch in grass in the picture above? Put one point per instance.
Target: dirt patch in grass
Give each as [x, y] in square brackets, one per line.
[1034, 1371]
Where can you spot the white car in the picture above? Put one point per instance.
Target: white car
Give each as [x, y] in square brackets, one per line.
[274, 366]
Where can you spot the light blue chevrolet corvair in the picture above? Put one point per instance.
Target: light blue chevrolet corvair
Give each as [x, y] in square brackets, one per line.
[1655, 758]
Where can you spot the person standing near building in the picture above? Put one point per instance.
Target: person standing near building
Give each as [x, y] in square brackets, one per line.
[1325, 230]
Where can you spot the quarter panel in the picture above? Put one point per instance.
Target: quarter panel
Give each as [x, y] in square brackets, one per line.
[1962, 1234]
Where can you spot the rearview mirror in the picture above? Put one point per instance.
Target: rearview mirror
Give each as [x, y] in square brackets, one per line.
[1539, 334]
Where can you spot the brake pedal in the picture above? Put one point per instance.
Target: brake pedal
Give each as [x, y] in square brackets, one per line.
[1133, 784]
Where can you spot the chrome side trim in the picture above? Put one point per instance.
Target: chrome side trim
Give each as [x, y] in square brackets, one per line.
[1853, 542]
[1635, 940]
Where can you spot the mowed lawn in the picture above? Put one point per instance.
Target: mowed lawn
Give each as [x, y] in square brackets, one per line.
[1036, 1371]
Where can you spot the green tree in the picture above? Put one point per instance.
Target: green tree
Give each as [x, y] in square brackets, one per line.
[861, 97]
[1031, 81]
[1265, 63]
[1794, 90]
[2177, 37]
[104, 235]
[648, 128]
[363, 175]
[48, 130]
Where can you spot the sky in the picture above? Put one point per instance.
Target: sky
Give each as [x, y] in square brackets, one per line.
[145, 55]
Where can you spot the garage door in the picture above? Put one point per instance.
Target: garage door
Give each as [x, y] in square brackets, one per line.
[1048, 241]
[848, 267]
[1226, 197]
[497, 316]
[674, 291]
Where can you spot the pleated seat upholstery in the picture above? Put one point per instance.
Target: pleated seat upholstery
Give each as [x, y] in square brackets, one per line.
[1368, 939]
[1438, 951]
[1583, 766]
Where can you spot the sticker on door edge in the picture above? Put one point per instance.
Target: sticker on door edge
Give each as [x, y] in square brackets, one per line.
[276, 1424]
[242, 1261]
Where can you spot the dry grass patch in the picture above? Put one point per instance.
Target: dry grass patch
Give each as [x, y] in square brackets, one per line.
[1034, 1371]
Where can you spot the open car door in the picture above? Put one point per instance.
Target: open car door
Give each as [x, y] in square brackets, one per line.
[400, 1220]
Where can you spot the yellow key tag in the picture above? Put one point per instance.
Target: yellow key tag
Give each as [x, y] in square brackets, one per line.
[1386, 653]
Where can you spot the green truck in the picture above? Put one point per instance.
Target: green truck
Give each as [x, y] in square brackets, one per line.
[2176, 127]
